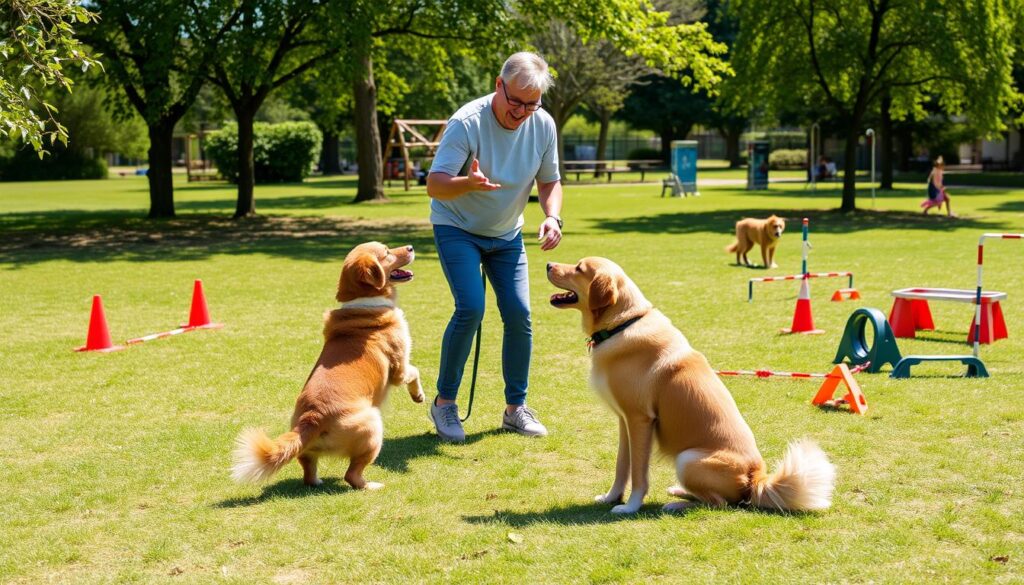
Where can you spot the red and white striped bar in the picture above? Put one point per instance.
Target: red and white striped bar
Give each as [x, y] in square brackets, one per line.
[155, 336]
[750, 283]
[770, 373]
[977, 298]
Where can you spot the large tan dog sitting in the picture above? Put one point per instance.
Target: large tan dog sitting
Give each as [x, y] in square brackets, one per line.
[366, 350]
[661, 388]
[764, 233]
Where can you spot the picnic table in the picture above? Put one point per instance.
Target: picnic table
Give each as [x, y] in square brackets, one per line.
[910, 311]
[608, 167]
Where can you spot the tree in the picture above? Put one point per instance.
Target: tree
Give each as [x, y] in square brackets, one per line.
[596, 73]
[848, 54]
[666, 106]
[270, 44]
[36, 37]
[157, 71]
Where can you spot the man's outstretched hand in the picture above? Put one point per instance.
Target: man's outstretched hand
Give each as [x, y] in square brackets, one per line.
[479, 181]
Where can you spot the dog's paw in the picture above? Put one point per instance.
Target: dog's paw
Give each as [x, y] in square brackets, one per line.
[372, 485]
[625, 509]
[419, 398]
[608, 498]
[677, 492]
[678, 506]
[774, 265]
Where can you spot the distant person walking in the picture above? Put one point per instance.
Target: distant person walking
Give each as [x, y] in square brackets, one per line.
[937, 193]
[493, 151]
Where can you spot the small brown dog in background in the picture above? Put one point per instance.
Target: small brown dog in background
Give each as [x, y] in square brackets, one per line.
[366, 350]
[763, 232]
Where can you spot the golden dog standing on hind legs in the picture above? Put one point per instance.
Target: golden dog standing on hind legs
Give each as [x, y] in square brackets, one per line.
[661, 388]
[366, 350]
[763, 232]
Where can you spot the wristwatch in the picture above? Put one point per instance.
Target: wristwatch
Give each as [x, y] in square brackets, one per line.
[557, 219]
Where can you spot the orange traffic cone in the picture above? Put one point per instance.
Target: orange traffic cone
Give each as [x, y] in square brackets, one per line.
[846, 293]
[99, 336]
[803, 322]
[199, 315]
[854, 397]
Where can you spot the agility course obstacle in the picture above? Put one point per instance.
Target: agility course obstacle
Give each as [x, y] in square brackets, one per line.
[98, 338]
[803, 270]
[910, 311]
[846, 294]
[841, 374]
[977, 301]
[99, 334]
[199, 318]
[854, 347]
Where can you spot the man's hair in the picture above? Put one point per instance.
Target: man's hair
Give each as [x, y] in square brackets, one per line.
[528, 70]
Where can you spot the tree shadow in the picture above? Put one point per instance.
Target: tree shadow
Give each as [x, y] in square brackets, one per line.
[122, 235]
[396, 453]
[822, 221]
[1016, 206]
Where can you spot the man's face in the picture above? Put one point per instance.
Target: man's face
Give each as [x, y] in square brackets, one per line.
[512, 104]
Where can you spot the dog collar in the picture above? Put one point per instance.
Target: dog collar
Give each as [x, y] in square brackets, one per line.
[369, 303]
[603, 335]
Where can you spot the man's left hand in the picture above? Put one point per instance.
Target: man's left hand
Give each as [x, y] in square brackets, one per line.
[550, 234]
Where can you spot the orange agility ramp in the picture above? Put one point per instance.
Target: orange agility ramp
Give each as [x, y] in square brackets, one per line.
[854, 397]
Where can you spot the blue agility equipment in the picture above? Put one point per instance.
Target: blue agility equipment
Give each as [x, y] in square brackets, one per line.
[854, 347]
[975, 367]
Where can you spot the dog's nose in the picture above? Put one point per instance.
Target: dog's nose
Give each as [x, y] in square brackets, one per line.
[550, 266]
[409, 248]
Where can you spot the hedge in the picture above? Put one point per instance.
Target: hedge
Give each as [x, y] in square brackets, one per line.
[282, 153]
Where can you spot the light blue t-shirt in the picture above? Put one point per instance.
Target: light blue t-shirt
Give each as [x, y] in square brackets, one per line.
[510, 158]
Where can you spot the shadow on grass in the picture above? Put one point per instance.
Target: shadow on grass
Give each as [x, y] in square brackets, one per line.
[122, 235]
[821, 221]
[289, 488]
[594, 513]
[397, 452]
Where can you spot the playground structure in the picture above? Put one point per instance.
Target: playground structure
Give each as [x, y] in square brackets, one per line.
[99, 339]
[398, 139]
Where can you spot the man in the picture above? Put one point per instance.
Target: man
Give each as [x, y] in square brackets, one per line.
[492, 151]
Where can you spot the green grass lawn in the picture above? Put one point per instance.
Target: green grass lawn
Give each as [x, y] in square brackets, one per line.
[116, 466]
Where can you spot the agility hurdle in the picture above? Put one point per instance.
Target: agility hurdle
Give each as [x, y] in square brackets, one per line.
[977, 297]
[840, 375]
[770, 373]
[803, 268]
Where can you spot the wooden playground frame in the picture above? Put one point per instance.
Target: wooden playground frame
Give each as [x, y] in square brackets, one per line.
[397, 139]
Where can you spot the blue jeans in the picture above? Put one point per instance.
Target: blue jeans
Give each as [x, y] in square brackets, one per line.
[504, 262]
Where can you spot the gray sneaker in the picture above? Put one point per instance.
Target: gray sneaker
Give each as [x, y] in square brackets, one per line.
[523, 421]
[446, 420]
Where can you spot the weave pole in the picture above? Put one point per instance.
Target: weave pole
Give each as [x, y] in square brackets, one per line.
[977, 297]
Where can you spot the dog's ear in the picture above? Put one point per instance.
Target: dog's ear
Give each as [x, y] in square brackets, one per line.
[602, 294]
[360, 278]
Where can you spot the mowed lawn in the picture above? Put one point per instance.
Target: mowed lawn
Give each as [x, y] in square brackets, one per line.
[115, 467]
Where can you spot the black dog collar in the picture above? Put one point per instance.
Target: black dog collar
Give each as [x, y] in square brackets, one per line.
[603, 335]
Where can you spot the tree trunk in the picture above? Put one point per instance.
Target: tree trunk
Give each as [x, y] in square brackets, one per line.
[161, 185]
[666, 144]
[732, 146]
[886, 143]
[331, 165]
[850, 168]
[368, 143]
[246, 204]
[906, 148]
[602, 136]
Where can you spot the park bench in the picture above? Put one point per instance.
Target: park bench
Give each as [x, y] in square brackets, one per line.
[910, 311]
[608, 168]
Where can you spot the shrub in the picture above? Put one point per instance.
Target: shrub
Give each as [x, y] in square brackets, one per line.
[644, 153]
[61, 164]
[788, 159]
[282, 153]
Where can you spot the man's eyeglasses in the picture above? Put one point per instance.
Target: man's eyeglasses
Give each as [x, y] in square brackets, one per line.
[530, 106]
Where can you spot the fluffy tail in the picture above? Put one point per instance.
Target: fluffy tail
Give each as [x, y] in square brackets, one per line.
[257, 457]
[803, 481]
[732, 247]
